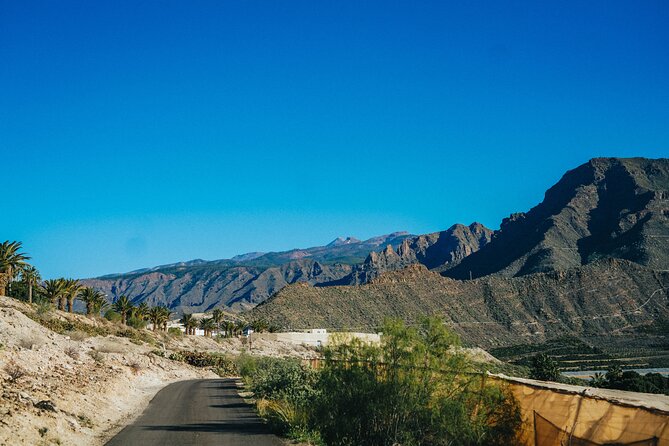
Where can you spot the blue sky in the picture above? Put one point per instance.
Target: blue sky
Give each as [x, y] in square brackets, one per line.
[138, 133]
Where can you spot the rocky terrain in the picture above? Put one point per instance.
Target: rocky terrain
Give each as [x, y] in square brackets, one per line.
[243, 281]
[78, 387]
[439, 250]
[591, 260]
[606, 208]
[605, 298]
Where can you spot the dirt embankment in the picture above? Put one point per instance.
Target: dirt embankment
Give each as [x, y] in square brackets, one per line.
[84, 384]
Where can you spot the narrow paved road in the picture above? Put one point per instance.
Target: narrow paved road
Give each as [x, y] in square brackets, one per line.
[197, 412]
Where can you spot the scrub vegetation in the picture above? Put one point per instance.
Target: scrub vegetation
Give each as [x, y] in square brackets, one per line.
[412, 389]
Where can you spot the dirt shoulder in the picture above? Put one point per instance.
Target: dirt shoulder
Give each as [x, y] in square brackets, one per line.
[74, 389]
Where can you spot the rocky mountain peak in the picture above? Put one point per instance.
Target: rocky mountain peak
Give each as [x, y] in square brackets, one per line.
[339, 241]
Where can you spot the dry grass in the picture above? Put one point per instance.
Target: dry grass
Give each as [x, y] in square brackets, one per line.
[72, 352]
[14, 371]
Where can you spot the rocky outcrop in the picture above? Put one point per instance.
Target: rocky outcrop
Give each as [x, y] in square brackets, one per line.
[437, 251]
[606, 208]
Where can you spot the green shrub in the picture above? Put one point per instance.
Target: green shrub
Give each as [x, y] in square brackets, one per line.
[112, 316]
[411, 390]
[136, 323]
[284, 380]
[220, 364]
[175, 332]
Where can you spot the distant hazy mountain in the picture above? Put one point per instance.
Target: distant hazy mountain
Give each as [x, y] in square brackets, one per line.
[244, 280]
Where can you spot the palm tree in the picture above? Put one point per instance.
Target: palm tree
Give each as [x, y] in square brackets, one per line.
[229, 327]
[259, 326]
[141, 311]
[208, 325]
[239, 327]
[53, 290]
[72, 289]
[94, 300]
[11, 261]
[164, 317]
[217, 315]
[124, 307]
[189, 323]
[155, 314]
[30, 277]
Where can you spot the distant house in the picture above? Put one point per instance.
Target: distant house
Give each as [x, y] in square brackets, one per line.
[247, 331]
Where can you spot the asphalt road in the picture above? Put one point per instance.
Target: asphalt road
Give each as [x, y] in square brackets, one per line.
[197, 412]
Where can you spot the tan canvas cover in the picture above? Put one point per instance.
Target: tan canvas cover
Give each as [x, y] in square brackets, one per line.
[553, 417]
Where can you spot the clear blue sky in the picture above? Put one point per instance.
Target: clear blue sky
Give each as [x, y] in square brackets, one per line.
[135, 133]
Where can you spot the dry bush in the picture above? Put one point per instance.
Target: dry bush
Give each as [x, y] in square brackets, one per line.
[78, 335]
[136, 367]
[29, 342]
[72, 352]
[14, 371]
[96, 356]
[111, 347]
[85, 421]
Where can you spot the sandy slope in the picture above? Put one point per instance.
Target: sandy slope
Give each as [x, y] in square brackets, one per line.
[90, 398]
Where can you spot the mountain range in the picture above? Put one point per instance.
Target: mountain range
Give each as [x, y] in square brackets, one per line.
[592, 259]
[243, 281]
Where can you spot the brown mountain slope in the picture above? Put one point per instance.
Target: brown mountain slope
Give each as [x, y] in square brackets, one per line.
[197, 289]
[608, 207]
[607, 297]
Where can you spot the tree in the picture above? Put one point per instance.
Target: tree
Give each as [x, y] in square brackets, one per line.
[189, 323]
[238, 328]
[53, 290]
[544, 368]
[94, 300]
[72, 289]
[141, 311]
[165, 317]
[229, 327]
[260, 325]
[124, 307]
[31, 277]
[217, 316]
[11, 261]
[208, 325]
[154, 315]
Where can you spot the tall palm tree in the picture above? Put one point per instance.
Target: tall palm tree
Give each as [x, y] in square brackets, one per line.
[229, 327]
[239, 327]
[259, 325]
[208, 325]
[124, 307]
[94, 300]
[53, 290]
[72, 287]
[189, 323]
[154, 315]
[141, 311]
[164, 317]
[11, 261]
[217, 315]
[31, 277]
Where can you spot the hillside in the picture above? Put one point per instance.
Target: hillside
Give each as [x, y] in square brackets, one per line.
[605, 298]
[606, 208]
[243, 281]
